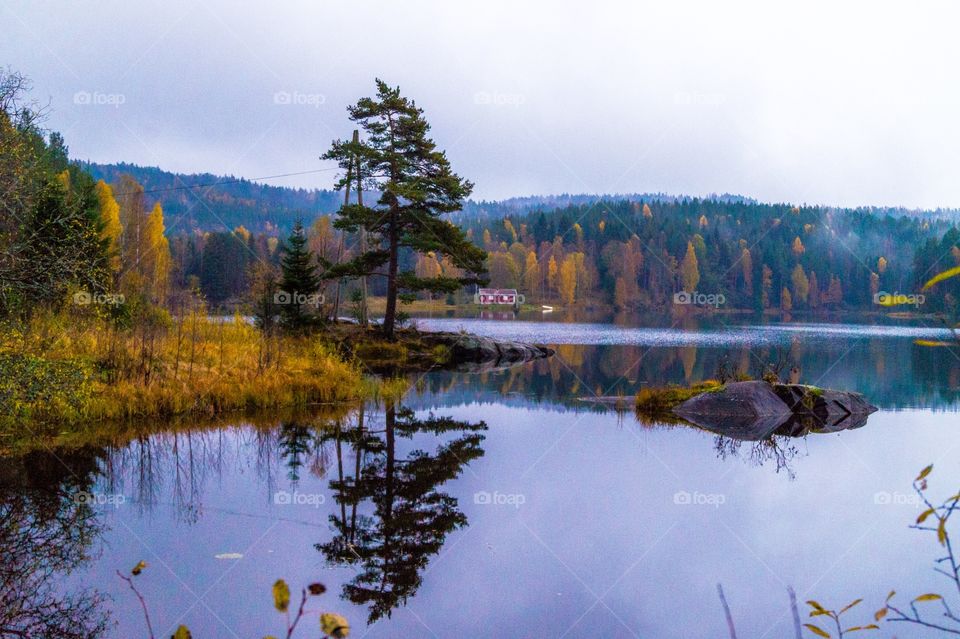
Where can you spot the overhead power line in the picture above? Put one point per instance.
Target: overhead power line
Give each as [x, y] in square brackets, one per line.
[234, 181]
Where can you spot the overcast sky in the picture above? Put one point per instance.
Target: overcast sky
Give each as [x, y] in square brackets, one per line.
[840, 103]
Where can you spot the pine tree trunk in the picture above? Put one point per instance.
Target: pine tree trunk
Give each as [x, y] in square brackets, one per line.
[389, 317]
[363, 249]
[390, 417]
[346, 201]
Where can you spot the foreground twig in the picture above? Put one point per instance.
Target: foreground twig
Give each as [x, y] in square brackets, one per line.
[796, 612]
[143, 604]
[726, 611]
[293, 626]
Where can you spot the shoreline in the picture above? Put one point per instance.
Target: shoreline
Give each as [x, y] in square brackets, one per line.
[200, 366]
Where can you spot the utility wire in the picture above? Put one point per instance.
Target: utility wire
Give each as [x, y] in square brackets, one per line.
[234, 181]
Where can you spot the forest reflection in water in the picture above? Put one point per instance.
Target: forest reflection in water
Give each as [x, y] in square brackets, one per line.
[48, 528]
[385, 467]
[391, 514]
[883, 361]
[390, 476]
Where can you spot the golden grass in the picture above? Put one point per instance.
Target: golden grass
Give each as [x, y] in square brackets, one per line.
[164, 367]
[657, 401]
[410, 351]
[378, 305]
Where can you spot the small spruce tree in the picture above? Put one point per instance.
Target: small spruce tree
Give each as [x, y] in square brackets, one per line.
[299, 283]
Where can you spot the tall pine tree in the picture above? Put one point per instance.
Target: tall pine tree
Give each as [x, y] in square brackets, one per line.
[417, 186]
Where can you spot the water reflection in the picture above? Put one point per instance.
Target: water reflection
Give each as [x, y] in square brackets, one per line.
[778, 450]
[171, 463]
[754, 428]
[299, 444]
[390, 475]
[393, 516]
[385, 467]
[893, 372]
[48, 529]
[770, 438]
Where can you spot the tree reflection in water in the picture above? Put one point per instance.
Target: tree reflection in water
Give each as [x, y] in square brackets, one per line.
[778, 449]
[297, 441]
[775, 443]
[393, 516]
[47, 530]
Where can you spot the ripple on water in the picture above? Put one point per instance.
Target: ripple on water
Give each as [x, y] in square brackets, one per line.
[608, 334]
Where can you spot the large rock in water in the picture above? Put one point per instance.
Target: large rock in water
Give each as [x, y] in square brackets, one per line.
[473, 352]
[756, 410]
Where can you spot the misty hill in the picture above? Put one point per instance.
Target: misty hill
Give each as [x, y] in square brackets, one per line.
[484, 210]
[263, 208]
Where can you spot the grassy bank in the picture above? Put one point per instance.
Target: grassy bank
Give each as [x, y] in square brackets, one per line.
[75, 368]
[378, 305]
[411, 351]
[656, 404]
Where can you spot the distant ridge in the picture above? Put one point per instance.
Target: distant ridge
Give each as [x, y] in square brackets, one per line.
[520, 205]
[261, 208]
[264, 208]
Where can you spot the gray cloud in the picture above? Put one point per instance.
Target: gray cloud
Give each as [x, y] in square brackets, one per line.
[840, 103]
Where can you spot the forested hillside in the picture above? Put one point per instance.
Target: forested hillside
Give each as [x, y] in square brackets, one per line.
[760, 256]
[191, 203]
[629, 252]
[232, 202]
[483, 210]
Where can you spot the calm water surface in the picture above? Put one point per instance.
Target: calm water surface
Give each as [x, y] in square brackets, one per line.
[500, 504]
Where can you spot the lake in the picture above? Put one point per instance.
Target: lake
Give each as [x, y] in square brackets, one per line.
[500, 504]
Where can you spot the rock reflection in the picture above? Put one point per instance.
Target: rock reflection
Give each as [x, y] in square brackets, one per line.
[771, 438]
[758, 428]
